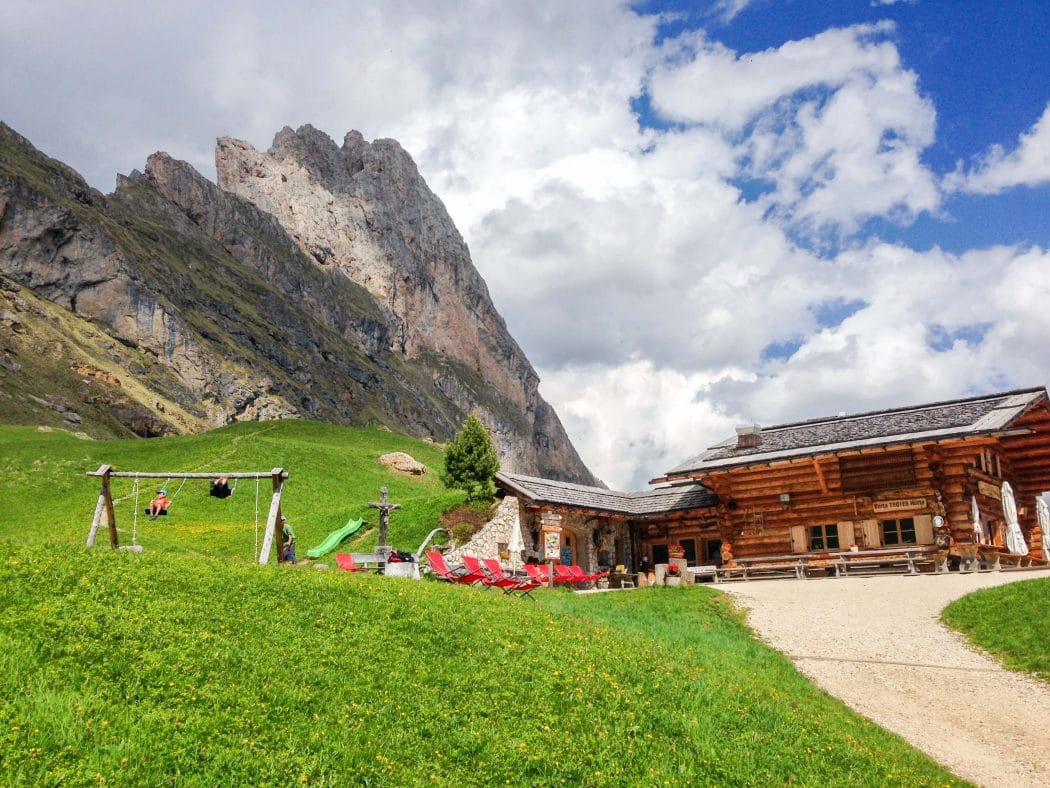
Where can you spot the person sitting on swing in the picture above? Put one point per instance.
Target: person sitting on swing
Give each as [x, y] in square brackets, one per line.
[220, 488]
[159, 505]
[287, 541]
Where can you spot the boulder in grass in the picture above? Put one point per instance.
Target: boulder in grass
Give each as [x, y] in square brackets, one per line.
[406, 463]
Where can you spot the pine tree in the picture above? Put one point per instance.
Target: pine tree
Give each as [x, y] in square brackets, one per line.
[471, 461]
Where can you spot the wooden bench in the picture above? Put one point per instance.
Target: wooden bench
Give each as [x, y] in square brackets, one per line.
[764, 567]
[992, 558]
[888, 561]
[706, 571]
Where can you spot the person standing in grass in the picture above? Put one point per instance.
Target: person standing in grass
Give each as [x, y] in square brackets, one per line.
[287, 540]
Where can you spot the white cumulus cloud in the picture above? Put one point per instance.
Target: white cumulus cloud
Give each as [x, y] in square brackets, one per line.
[1028, 164]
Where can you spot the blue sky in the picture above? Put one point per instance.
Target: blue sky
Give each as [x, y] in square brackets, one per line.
[985, 65]
[691, 214]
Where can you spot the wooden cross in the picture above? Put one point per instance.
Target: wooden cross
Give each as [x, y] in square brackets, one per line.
[385, 508]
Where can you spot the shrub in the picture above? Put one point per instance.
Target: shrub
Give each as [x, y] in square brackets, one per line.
[462, 532]
[465, 520]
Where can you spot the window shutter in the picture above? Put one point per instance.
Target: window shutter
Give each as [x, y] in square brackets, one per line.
[845, 535]
[872, 533]
[799, 539]
[923, 529]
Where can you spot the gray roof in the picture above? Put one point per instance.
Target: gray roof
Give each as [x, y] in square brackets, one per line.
[656, 501]
[958, 418]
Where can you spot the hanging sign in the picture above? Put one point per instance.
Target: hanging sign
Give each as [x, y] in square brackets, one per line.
[990, 490]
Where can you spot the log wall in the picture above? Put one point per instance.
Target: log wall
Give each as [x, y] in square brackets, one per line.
[759, 505]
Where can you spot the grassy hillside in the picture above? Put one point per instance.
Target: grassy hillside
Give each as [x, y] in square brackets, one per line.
[333, 473]
[979, 616]
[155, 668]
[187, 663]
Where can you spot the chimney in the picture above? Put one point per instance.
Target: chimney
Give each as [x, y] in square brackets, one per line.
[749, 436]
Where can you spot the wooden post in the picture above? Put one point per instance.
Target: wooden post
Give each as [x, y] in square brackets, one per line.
[277, 474]
[111, 517]
[100, 507]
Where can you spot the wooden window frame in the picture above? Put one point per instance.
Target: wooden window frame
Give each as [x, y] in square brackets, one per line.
[899, 532]
[827, 534]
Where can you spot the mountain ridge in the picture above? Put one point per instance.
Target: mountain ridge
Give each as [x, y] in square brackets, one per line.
[205, 298]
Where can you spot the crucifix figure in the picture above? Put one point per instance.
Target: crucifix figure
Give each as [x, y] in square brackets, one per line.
[385, 508]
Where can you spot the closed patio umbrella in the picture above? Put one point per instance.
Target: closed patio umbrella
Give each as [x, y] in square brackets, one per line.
[975, 516]
[1043, 513]
[517, 544]
[1014, 538]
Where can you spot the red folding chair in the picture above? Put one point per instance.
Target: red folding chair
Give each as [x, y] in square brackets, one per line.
[474, 567]
[564, 575]
[345, 561]
[441, 569]
[521, 586]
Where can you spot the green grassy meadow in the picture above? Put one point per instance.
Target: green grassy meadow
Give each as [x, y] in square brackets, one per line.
[190, 664]
[980, 617]
[333, 474]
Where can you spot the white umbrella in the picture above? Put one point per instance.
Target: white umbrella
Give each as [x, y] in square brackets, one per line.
[1014, 538]
[1043, 513]
[975, 516]
[517, 544]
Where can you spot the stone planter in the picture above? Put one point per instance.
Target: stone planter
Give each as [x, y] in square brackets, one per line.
[405, 569]
[673, 581]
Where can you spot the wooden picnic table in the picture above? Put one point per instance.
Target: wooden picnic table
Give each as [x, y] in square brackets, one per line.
[759, 566]
[882, 561]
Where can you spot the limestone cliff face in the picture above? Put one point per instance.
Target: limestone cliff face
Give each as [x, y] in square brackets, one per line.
[363, 210]
[172, 305]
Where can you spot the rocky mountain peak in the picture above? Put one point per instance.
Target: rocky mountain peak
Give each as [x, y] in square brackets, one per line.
[321, 281]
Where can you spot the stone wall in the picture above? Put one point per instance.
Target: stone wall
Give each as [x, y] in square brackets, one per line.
[486, 542]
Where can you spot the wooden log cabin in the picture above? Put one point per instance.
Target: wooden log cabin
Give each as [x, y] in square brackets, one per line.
[600, 528]
[862, 483]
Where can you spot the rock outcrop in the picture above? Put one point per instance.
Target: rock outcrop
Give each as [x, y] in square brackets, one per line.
[172, 305]
[364, 210]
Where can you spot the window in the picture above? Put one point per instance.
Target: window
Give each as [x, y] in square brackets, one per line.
[690, 550]
[898, 531]
[823, 537]
[659, 554]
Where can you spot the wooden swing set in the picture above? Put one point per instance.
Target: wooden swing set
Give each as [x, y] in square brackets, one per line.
[105, 501]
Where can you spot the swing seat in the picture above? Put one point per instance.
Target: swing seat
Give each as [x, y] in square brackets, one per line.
[161, 513]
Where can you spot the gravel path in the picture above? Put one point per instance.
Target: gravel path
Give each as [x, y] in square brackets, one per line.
[877, 643]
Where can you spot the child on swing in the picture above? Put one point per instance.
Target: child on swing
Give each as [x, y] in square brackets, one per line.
[159, 505]
[220, 488]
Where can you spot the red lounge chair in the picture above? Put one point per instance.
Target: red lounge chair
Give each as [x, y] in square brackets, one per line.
[578, 572]
[437, 563]
[521, 586]
[345, 562]
[474, 567]
[564, 575]
[539, 572]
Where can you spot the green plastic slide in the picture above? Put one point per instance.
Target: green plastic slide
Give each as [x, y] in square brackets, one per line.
[336, 538]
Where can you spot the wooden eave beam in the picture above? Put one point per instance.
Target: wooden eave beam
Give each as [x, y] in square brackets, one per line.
[820, 475]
